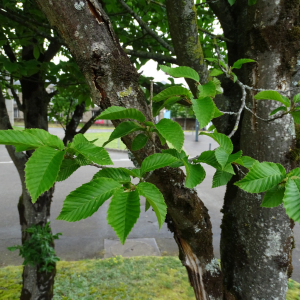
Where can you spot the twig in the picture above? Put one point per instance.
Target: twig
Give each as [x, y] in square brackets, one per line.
[266, 120]
[263, 90]
[154, 56]
[146, 27]
[158, 3]
[243, 88]
[219, 37]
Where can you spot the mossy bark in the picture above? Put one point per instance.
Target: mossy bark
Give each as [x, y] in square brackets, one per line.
[114, 81]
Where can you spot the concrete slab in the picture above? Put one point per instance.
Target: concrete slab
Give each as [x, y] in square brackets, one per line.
[132, 247]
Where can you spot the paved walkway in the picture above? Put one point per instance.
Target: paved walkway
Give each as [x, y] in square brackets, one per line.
[93, 237]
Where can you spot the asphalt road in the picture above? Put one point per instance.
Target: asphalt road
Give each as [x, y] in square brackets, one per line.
[85, 239]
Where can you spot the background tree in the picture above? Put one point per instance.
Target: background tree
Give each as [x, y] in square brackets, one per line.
[28, 46]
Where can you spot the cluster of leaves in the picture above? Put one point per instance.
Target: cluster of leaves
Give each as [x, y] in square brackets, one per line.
[38, 250]
[52, 161]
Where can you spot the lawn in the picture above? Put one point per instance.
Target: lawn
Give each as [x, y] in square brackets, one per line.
[103, 137]
[142, 278]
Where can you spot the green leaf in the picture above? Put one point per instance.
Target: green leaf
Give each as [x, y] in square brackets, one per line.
[30, 139]
[223, 140]
[296, 116]
[251, 2]
[161, 138]
[208, 157]
[156, 161]
[238, 64]
[96, 154]
[67, 168]
[21, 140]
[273, 197]
[36, 52]
[235, 156]
[262, 177]
[173, 91]
[204, 110]
[221, 156]
[217, 83]
[180, 156]
[207, 90]
[117, 174]
[123, 129]
[46, 138]
[155, 199]
[148, 123]
[294, 173]
[211, 128]
[276, 110]
[195, 174]
[41, 170]
[185, 72]
[139, 142]
[234, 77]
[272, 95]
[246, 161]
[215, 72]
[147, 205]
[87, 199]
[231, 2]
[133, 172]
[123, 212]
[217, 113]
[117, 112]
[291, 199]
[221, 178]
[296, 98]
[172, 132]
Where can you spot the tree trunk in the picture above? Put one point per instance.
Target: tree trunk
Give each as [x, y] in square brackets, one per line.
[109, 73]
[256, 243]
[36, 285]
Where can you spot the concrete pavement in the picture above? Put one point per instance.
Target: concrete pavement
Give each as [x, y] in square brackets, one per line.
[87, 238]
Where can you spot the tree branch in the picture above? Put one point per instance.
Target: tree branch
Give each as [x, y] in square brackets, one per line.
[31, 27]
[8, 50]
[51, 51]
[90, 122]
[146, 28]
[149, 55]
[222, 10]
[31, 20]
[15, 96]
[219, 37]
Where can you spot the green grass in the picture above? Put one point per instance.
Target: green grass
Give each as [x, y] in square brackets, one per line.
[18, 127]
[142, 278]
[103, 137]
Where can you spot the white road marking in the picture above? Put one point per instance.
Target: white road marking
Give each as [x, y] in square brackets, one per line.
[121, 159]
[6, 162]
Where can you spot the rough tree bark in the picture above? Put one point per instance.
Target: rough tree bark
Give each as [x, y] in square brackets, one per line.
[88, 33]
[256, 243]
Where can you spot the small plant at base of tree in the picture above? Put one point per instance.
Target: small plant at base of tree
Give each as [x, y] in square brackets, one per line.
[38, 250]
